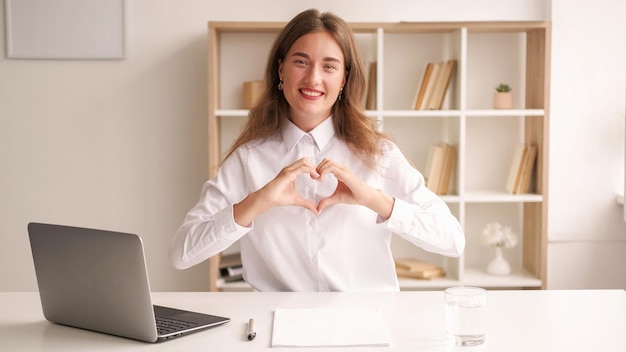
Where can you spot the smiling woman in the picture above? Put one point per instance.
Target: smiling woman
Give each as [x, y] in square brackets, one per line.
[310, 188]
[312, 77]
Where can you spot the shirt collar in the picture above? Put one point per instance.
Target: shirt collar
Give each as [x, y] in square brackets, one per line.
[321, 134]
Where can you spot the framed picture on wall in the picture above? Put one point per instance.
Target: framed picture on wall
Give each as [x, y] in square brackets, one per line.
[65, 29]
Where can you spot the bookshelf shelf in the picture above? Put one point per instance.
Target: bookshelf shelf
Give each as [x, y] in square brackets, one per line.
[420, 113]
[486, 54]
[232, 112]
[505, 113]
[519, 278]
[500, 197]
[474, 277]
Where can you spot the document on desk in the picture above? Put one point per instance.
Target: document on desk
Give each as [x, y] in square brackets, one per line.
[328, 327]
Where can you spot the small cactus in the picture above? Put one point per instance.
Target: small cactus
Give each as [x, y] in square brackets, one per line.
[503, 88]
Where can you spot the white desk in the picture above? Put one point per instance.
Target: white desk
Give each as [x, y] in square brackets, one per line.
[593, 320]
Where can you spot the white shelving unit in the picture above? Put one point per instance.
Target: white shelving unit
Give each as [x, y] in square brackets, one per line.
[487, 53]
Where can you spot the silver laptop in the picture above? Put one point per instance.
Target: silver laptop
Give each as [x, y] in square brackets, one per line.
[97, 280]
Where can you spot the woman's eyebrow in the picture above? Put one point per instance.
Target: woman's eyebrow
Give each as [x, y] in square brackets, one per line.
[306, 56]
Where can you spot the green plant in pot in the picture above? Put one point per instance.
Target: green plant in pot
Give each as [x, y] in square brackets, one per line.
[503, 97]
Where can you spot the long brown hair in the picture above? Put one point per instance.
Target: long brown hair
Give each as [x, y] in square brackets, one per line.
[351, 124]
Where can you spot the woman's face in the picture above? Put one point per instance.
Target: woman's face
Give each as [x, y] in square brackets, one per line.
[313, 73]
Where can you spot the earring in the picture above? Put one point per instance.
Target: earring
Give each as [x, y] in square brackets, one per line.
[280, 84]
[340, 93]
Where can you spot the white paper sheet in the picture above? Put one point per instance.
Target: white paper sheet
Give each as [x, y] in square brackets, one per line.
[322, 327]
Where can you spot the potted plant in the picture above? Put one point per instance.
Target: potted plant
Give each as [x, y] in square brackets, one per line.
[503, 98]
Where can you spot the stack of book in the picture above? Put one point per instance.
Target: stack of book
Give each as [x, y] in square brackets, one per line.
[439, 167]
[231, 268]
[435, 81]
[418, 269]
[521, 169]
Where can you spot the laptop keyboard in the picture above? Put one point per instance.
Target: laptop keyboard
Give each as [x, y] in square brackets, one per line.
[168, 326]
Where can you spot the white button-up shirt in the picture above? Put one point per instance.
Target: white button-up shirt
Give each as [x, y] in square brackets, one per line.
[289, 248]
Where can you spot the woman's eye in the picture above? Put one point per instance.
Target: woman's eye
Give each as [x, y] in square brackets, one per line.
[330, 67]
[300, 62]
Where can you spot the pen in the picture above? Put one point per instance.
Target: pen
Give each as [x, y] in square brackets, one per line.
[251, 332]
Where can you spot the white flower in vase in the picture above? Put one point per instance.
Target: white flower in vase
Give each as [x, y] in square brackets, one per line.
[498, 236]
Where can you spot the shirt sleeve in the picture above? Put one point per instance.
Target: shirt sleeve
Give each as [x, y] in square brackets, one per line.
[209, 227]
[418, 214]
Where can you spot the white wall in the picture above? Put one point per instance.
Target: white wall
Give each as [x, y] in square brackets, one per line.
[587, 234]
[122, 144]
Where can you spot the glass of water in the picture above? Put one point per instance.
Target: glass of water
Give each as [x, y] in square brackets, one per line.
[466, 315]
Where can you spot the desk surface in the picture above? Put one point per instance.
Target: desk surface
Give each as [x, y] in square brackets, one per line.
[582, 320]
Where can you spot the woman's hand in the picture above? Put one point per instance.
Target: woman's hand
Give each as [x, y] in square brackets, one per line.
[282, 189]
[351, 190]
[278, 192]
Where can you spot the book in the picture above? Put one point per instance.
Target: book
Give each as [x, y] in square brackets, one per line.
[426, 76]
[370, 100]
[434, 166]
[440, 164]
[515, 170]
[230, 268]
[527, 169]
[443, 84]
[430, 86]
[232, 273]
[521, 170]
[449, 161]
[437, 87]
[418, 269]
[252, 91]
[436, 79]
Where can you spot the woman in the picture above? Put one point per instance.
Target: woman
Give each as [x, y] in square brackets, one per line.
[310, 189]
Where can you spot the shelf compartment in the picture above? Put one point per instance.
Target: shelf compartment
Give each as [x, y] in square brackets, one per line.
[406, 51]
[494, 58]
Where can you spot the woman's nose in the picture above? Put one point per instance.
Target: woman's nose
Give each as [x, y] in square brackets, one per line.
[313, 75]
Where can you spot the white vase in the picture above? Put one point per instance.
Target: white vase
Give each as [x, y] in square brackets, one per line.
[499, 265]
